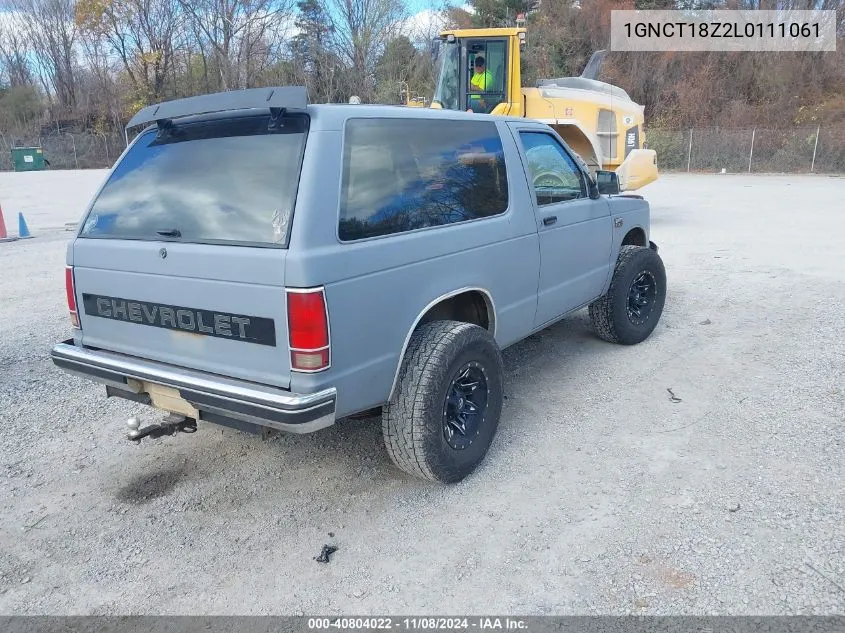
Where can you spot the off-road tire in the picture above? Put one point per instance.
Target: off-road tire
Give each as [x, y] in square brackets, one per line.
[413, 420]
[609, 314]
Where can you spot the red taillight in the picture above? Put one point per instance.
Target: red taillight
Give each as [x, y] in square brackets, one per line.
[308, 330]
[71, 296]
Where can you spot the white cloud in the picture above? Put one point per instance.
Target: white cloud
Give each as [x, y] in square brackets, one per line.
[428, 22]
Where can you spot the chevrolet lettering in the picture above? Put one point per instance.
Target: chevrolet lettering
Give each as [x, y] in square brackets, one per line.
[238, 268]
[235, 326]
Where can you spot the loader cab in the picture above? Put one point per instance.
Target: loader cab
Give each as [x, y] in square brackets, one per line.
[599, 121]
[478, 71]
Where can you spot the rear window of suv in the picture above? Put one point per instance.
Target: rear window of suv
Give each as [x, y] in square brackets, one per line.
[405, 174]
[220, 181]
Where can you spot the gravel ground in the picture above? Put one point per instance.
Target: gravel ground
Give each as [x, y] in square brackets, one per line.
[600, 495]
[47, 199]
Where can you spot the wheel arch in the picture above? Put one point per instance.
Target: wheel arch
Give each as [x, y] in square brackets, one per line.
[635, 236]
[453, 305]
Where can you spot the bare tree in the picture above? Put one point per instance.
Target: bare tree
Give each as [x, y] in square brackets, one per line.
[104, 94]
[142, 33]
[50, 24]
[237, 33]
[14, 63]
[361, 28]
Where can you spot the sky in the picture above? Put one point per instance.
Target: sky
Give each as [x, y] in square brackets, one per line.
[415, 6]
[423, 12]
[422, 16]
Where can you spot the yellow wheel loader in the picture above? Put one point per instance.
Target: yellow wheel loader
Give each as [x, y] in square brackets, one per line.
[411, 100]
[479, 71]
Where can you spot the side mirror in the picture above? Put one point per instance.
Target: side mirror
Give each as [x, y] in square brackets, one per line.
[607, 182]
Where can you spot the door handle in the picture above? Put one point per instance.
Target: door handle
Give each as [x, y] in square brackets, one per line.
[550, 220]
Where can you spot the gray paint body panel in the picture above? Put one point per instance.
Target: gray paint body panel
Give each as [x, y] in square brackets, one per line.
[574, 249]
[220, 279]
[376, 289]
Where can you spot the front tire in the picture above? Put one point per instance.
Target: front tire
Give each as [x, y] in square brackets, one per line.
[444, 413]
[630, 310]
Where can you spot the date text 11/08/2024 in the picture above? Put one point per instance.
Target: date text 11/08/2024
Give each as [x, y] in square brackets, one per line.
[422, 623]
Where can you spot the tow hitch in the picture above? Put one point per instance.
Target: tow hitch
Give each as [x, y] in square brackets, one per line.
[171, 425]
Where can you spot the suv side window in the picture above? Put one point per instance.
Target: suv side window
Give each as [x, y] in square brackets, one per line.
[405, 174]
[556, 176]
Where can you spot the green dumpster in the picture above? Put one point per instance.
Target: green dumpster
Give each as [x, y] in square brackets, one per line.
[28, 158]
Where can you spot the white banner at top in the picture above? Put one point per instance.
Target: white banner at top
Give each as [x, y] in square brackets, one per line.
[723, 30]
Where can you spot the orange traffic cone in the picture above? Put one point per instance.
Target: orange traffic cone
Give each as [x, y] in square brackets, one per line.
[3, 235]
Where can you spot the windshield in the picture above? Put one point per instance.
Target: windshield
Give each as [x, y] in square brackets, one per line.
[226, 180]
[446, 93]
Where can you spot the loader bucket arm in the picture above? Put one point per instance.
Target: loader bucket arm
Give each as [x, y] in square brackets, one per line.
[637, 170]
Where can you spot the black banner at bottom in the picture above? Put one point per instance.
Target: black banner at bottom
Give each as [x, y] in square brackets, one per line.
[528, 624]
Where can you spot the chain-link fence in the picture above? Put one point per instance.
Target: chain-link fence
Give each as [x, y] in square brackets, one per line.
[67, 150]
[817, 149]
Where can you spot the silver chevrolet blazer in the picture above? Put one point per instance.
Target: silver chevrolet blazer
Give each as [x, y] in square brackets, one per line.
[256, 261]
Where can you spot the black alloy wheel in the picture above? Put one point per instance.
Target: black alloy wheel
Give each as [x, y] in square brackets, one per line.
[642, 296]
[466, 406]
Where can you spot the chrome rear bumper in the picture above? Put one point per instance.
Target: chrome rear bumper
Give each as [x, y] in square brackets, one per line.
[213, 396]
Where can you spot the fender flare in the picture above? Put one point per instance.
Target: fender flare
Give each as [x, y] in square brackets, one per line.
[491, 311]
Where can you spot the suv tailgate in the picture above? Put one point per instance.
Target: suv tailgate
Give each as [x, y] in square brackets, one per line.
[181, 258]
[169, 309]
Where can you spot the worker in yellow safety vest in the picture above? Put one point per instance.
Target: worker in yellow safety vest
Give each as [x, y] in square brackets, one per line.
[479, 82]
